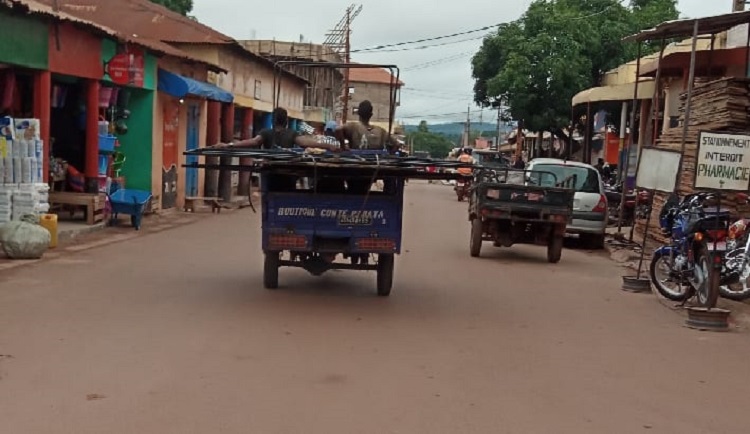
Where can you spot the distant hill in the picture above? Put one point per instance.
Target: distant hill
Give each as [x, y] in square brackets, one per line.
[457, 128]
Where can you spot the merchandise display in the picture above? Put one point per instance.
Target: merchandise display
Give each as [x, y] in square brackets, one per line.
[22, 187]
[21, 151]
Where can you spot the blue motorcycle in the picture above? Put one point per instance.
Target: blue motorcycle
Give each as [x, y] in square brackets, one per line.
[691, 264]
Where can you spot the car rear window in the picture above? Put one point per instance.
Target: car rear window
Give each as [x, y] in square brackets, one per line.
[585, 179]
[493, 159]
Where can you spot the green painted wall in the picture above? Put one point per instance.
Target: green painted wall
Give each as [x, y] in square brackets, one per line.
[25, 41]
[109, 49]
[136, 144]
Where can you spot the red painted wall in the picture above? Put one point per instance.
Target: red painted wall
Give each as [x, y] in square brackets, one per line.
[80, 53]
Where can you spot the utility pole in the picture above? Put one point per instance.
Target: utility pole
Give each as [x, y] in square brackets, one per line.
[499, 118]
[481, 121]
[468, 127]
[338, 41]
[519, 139]
[348, 54]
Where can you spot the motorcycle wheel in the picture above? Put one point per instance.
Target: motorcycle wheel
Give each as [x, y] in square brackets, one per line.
[706, 280]
[662, 265]
[738, 291]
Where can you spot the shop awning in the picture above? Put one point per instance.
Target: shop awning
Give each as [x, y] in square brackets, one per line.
[621, 92]
[180, 87]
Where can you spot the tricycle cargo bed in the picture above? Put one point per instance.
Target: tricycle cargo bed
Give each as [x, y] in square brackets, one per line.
[335, 223]
[525, 198]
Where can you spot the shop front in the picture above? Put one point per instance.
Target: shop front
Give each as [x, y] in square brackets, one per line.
[24, 79]
[24, 119]
[101, 114]
[189, 113]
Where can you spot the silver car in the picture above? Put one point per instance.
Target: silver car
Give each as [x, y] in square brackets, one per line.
[590, 211]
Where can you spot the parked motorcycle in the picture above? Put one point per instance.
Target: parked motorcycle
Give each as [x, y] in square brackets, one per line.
[463, 187]
[636, 206]
[690, 265]
[735, 282]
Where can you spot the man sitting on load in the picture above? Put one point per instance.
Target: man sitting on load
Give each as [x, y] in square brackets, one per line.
[280, 136]
[363, 135]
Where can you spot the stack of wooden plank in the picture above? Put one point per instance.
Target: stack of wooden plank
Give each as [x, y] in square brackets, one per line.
[717, 105]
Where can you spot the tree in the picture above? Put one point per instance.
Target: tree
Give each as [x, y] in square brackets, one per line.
[436, 144]
[556, 49]
[182, 7]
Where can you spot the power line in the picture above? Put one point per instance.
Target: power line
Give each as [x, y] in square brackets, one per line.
[436, 62]
[434, 115]
[436, 38]
[385, 48]
[422, 47]
[436, 94]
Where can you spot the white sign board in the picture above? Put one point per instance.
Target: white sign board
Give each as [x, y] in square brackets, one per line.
[723, 162]
[658, 170]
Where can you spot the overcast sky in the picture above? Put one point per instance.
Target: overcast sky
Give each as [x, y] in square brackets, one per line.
[437, 93]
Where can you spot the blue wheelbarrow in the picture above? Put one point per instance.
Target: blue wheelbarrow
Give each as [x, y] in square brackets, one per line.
[130, 202]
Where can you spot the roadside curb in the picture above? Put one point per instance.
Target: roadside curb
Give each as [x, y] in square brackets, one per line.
[73, 241]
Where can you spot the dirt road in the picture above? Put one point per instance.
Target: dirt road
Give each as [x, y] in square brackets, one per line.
[173, 333]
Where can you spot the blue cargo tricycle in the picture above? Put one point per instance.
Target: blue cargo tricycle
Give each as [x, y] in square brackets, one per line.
[324, 212]
[331, 225]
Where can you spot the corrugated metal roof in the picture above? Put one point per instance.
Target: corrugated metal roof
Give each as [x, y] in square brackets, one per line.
[144, 19]
[685, 27]
[43, 8]
[372, 75]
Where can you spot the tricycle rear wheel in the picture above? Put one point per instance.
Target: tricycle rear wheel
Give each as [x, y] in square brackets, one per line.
[554, 249]
[385, 274]
[475, 246]
[271, 270]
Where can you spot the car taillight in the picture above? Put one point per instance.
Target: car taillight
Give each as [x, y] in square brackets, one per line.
[287, 241]
[376, 244]
[717, 234]
[602, 205]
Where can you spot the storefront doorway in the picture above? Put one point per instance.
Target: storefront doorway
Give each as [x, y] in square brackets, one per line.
[193, 128]
[68, 134]
[169, 155]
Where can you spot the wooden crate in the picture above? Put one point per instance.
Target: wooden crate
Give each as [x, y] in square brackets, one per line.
[92, 203]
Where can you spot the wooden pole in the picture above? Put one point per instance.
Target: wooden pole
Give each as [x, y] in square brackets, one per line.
[42, 111]
[586, 158]
[623, 134]
[656, 99]
[631, 139]
[92, 136]
[688, 105]
[348, 31]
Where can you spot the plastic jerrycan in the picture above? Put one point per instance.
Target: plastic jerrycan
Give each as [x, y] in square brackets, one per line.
[49, 222]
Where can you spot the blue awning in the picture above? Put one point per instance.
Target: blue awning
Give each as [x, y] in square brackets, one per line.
[179, 87]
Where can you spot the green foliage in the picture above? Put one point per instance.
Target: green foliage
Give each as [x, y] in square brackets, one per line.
[182, 7]
[436, 144]
[556, 49]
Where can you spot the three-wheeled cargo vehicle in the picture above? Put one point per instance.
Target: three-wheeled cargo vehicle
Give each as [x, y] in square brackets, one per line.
[510, 206]
[327, 224]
